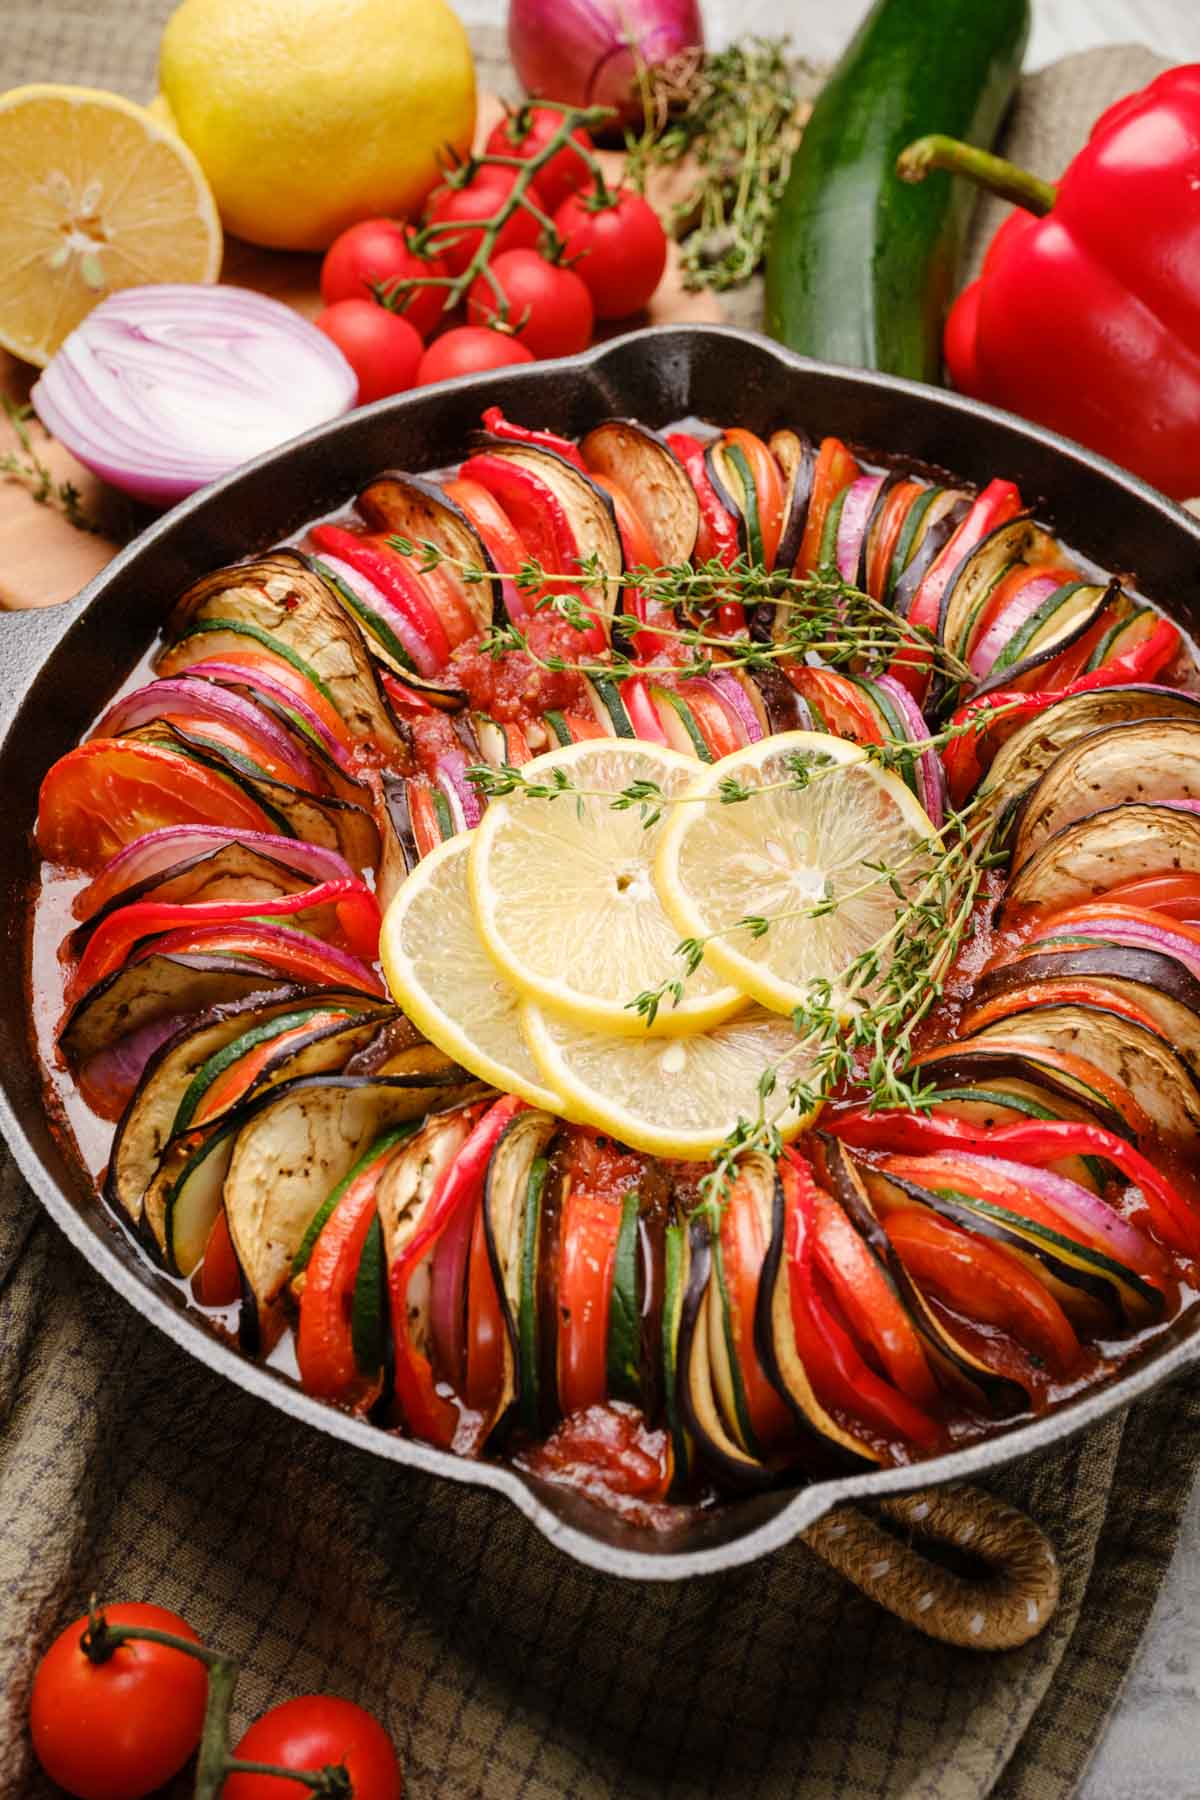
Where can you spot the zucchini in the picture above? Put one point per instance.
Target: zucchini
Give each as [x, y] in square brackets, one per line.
[677, 720]
[368, 1307]
[605, 698]
[624, 1314]
[827, 553]
[674, 1286]
[1120, 636]
[906, 542]
[861, 266]
[528, 1334]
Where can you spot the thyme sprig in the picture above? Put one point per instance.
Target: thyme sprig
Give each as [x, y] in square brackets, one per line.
[26, 465]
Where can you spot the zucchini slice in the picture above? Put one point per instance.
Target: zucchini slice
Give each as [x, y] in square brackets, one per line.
[937, 524]
[511, 1245]
[657, 483]
[1064, 617]
[1024, 1072]
[977, 575]
[699, 1405]
[624, 1347]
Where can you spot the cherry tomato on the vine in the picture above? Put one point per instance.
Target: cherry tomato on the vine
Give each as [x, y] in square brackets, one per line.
[380, 250]
[118, 1729]
[621, 247]
[549, 307]
[479, 199]
[381, 347]
[310, 1733]
[466, 350]
[528, 130]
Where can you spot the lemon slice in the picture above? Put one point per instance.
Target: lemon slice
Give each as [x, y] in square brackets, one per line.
[679, 1096]
[785, 850]
[564, 896]
[440, 974]
[95, 195]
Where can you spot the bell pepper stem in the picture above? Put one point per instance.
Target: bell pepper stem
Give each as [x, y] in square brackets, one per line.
[993, 173]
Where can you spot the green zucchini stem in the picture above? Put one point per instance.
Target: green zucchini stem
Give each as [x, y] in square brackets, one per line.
[992, 173]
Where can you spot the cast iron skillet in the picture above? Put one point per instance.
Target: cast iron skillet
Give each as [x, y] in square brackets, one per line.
[57, 667]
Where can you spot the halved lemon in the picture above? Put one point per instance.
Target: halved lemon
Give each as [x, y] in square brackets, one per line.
[679, 1096]
[564, 896]
[95, 195]
[784, 851]
[441, 975]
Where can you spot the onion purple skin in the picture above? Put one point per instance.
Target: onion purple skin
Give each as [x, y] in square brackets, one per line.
[931, 776]
[184, 696]
[163, 389]
[581, 51]
[159, 850]
[852, 526]
[462, 794]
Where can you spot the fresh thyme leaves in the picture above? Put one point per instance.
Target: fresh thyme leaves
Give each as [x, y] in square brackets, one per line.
[25, 465]
[737, 118]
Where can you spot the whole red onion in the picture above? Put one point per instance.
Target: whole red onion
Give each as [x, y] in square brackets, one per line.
[585, 52]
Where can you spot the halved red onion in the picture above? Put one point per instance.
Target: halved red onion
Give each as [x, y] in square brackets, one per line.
[184, 695]
[856, 510]
[1079, 1208]
[466, 808]
[158, 850]
[1020, 608]
[163, 389]
[1132, 932]
[447, 1298]
[735, 700]
[426, 661]
[233, 675]
[931, 776]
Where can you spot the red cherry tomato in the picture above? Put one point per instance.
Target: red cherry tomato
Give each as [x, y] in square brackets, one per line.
[381, 347]
[622, 249]
[524, 132]
[549, 307]
[466, 350]
[311, 1733]
[474, 203]
[380, 251]
[118, 1729]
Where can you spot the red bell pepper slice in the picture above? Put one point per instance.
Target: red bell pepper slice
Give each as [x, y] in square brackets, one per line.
[999, 502]
[835, 469]
[495, 422]
[485, 1326]
[400, 694]
[643, 716]
[1066, 990]
[837, 1371]
[1176, 897]
[299, 956]
[591, 1224]
[427, 1413]
[871, 1304]
[501, 540]
[240, 1076]
[984, 1282]
[718, 537]
[768, 485]
[389, 575]
[324, 1346]
[716, 727]
[541, 522]
[743, 1251]
[976, 723]
[218, 1280]
[1176, 1217]
[356, 907]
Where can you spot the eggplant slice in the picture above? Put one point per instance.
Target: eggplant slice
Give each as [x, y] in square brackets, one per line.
[1104, 850]
[408, 506]
[282, 596]
[296, 1142]
[1147, 761]
[236, 871]
[657, 483]
[141, 994]
[796, 456]
[1163, 987]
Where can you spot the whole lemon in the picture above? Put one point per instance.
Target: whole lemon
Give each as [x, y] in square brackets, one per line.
[307, 115]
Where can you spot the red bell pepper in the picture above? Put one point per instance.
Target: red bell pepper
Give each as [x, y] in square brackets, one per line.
[1176, 1217]
[495, 422]
[999, 502]
[389, 575]
[426, 1413]
[871, 1304]
[973, 724]
[1086, 316]
[638, 552]
[295, 954]
[718, 527]
[356, 907]
[635, 697]
[839, 1375]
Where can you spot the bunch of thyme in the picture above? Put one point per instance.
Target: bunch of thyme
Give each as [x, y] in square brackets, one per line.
[26, 466]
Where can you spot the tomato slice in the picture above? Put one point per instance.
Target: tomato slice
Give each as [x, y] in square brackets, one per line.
[844, 707]
[870, 1303]
[984, 1282]
[423, 815]
[324, 1346]
[887, 534]
[591, 1224]
[218, 1280]
[501, 539]
[109, 791]
[1003, 592]
[541, 523]
[768, 485]
[643, 715]
[1176, 897]
[234, 1081]
[1066, 990]
[283, 674]
[716, 727]
[834, 470]
[743, 1251]
[638, 552]
[1059, 924]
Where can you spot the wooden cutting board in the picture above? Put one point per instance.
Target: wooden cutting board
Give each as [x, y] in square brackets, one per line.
[44, 560]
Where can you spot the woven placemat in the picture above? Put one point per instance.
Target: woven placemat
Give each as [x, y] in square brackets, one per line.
[501, 1668]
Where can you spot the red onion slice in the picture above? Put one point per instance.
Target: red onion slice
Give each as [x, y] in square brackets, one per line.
[1020, 608]
[1132, 932]
[233, 675]
[931, 776]
[185, 696]
[426, 661]
[1076, 1207]
[729, 691]
[448, 1286]
[158, 850]
[163, 389]
[466, 808]
[107, 1079]
[856, 510]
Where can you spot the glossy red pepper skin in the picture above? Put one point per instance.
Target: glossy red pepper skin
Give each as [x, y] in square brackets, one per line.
[1175, 1216]
[718, 527]
[961, 757]
[495, 422]
[1088, 320]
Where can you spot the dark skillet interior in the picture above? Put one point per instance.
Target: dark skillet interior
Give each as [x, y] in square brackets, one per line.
[59, 666]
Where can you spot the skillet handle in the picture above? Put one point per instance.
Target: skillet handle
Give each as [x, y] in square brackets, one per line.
[1011, 1602]
[27, 637]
